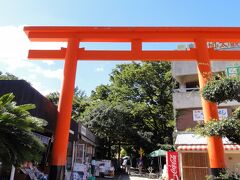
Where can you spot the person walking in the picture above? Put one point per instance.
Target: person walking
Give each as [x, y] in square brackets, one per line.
[93, 165]
[140, 165]
[128, 166]
[124, 164]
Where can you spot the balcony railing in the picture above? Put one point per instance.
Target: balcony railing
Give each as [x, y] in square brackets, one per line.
[185, 90]
[190, 98]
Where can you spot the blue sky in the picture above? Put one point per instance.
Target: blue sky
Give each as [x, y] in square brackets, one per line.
[46, 76]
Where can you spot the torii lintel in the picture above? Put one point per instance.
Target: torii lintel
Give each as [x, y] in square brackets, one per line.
[136, 36]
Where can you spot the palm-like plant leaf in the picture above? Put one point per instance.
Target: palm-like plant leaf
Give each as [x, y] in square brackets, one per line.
[17, 143]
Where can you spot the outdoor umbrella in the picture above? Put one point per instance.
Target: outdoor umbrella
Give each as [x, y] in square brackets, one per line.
[158, 153]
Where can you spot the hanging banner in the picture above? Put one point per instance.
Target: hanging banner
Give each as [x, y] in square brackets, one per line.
[173, 166]
[198, 114]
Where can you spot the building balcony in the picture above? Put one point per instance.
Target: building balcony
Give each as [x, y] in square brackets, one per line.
[190, 98]
[185, 68]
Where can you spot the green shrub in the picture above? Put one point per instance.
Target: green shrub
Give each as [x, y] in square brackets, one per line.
[225, 89]
[225, 175]
[229, 128]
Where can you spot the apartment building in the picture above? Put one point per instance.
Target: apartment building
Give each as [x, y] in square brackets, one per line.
[186, 99]
[188, 108]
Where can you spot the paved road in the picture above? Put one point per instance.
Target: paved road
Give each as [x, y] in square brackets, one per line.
[128, 177]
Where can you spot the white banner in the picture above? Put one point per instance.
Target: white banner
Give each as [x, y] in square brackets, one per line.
[198, 114]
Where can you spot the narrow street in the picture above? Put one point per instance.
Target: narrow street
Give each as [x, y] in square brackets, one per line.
[127, 177]
[132, 176]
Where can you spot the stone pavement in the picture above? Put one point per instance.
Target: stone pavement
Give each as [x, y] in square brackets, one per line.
[129, 177]
[134, 175]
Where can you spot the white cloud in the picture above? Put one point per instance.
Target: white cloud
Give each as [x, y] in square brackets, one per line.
[49, 62]
[43, 89]
[100, 69]
[13, 42]
[14, 46]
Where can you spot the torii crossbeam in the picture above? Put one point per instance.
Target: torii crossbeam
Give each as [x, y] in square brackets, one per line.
[136, 36]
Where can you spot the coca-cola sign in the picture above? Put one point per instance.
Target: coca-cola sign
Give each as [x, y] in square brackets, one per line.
[173, 166]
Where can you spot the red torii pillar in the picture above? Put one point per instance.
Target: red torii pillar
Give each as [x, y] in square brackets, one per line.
[61, 135]
[210, 110]
[136, 36]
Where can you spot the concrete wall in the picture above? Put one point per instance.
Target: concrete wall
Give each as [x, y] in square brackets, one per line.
[185, 68]
[183, 100]
[184, 118]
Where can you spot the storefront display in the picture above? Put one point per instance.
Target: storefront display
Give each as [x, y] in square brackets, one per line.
[79, 172]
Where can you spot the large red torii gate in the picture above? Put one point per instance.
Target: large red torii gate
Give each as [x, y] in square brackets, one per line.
[136, 36]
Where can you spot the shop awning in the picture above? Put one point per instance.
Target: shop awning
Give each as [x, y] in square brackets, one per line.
[233, 147]
[88, 141]
[191, 142]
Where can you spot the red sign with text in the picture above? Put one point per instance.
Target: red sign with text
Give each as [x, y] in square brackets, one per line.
[173, 166]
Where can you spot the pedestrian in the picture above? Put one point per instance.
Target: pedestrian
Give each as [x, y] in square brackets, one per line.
[124, 164]
[93, 165]
[140, 165]
[128, 165]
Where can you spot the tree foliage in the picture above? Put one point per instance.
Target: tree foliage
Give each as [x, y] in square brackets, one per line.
[146, 88]
[229, 128]
[17, 143]
[8, 76]
[53, 97]
[101, 92]
[110, 122]
[221, 90]
[80, 102]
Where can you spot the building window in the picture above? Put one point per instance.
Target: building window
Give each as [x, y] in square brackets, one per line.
[79, 153]
[192, 86]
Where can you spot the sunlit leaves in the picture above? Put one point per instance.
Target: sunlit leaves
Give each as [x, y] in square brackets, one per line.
[17, 143]
[224, 89]
[221, 90]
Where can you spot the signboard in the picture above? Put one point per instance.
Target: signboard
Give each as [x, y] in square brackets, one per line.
[198, 114]
[79, 172]
[224, 45]
[173, 166]
[215, 45]
[233, 71]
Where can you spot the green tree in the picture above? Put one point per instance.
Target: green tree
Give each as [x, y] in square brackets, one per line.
[80, 102]
[8, 76]
[218, 91]
[101, 92]
[110, 122]
[148, 86]
[17, 143]
[53, 97]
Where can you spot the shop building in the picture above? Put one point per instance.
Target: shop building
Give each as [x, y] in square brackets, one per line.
[85, 147]
[82, 142]
[188, 109]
